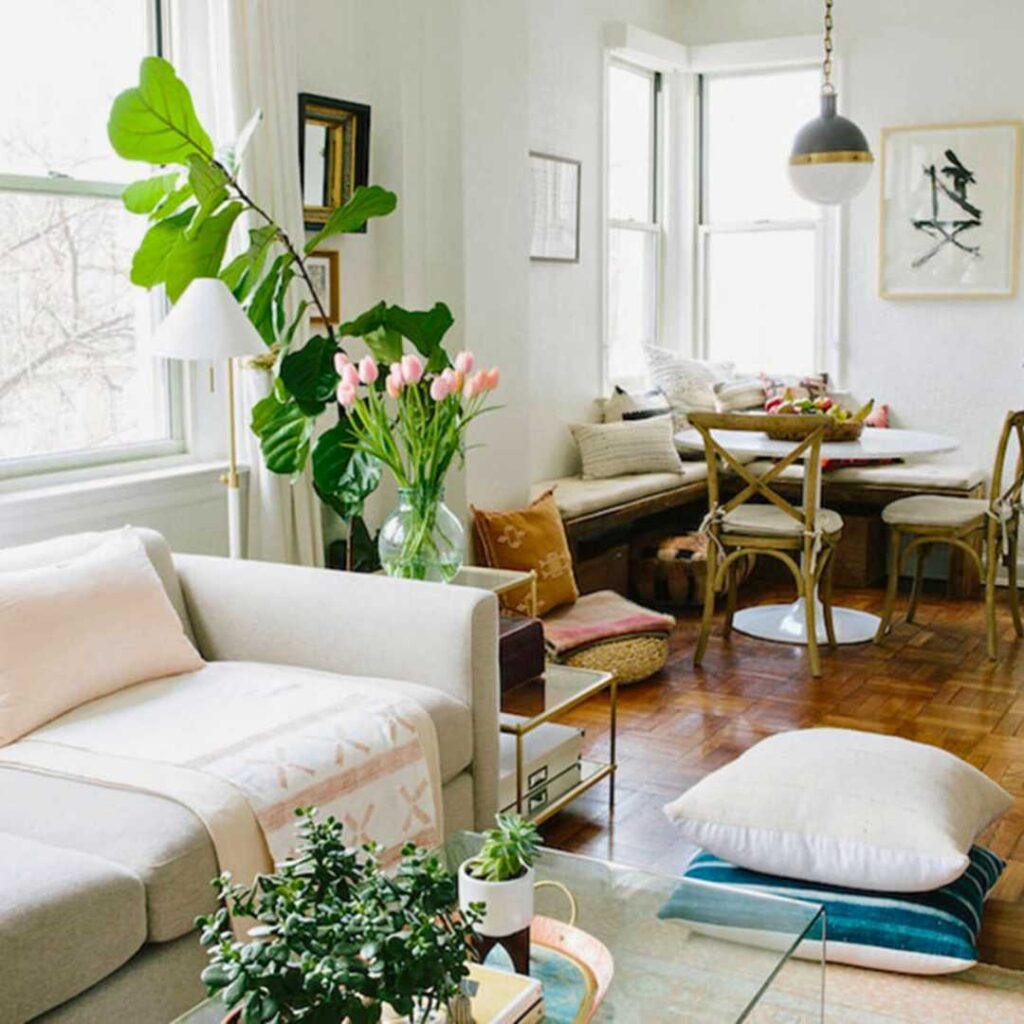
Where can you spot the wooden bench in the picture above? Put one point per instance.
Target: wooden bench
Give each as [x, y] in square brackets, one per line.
[603, 517]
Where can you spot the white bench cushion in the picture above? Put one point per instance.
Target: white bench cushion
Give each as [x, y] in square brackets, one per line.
[769, 521]
[934, 510]
[901, 474]
[577, 497]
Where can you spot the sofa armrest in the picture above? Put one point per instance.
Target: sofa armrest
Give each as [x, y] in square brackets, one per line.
[439, 636]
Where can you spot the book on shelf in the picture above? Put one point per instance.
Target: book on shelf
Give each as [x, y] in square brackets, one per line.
[498, 997]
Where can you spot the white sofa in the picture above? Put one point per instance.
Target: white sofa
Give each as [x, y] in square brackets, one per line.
[99, 886]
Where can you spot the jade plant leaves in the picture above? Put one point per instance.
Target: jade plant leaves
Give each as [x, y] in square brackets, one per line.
[155, 121]
[365, 202]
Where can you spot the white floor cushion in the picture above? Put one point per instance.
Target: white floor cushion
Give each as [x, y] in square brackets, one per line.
[843, 807]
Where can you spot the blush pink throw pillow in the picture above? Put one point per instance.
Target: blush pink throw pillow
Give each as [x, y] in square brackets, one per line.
[83, 628]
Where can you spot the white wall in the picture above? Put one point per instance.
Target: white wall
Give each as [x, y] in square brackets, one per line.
[952, 365]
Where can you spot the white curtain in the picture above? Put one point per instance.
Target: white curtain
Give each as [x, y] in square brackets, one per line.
[239, 56]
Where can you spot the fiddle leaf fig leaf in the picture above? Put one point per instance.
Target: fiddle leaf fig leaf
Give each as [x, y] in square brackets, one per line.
[156, 121]
[285, 433]
[143, 196]
[425, 330]
[209, 183]
[365, 202]
[344, 477]
[245, 137]
[261, 309]
[308, 373]
[149, 264]
[201, 254]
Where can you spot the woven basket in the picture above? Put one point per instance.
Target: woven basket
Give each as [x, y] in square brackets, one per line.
[631, 658]
[672, 571]
[796, 428]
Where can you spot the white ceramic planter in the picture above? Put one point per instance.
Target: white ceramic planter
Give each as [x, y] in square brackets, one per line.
[509, 904]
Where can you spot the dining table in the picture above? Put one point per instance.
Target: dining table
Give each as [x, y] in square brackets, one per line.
[786, 623]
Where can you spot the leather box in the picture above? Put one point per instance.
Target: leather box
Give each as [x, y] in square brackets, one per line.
[520, 649]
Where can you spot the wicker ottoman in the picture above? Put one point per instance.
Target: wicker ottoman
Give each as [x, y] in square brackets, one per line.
[606, 632]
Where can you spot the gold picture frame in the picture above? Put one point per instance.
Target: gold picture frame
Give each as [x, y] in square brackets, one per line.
[949, 210]
[334, 154]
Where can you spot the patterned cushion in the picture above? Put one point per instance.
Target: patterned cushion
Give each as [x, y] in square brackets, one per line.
[604, 615]
[624, 448]
[688, 384]
[529, 538]
[916, 933]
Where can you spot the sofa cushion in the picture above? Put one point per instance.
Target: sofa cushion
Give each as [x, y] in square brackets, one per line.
[576, 497]
[67, 920]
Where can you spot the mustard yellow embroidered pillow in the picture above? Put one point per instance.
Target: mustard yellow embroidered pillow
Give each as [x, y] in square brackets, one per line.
[529, 538]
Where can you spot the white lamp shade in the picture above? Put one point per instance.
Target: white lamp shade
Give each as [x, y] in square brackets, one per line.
[206, 323]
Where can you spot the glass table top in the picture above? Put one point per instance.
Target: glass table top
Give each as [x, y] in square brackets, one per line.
[665, 969]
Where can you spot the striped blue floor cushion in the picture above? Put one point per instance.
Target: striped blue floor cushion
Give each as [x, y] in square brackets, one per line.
[913, 933]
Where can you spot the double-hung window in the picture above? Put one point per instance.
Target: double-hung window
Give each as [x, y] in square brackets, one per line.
[634, 233]
[764, 284]
[77, 386]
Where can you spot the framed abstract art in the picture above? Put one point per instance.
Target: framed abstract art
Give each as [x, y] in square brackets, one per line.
[950, 211]
[555, 208]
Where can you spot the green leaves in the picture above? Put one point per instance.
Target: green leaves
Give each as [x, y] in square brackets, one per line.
[309, 374]
[285, 433]
[344, 478]
[209, 184]
[383, 327]
[367, 201]
[155, 121]
[143, 196]
[149, 264]
[200, 254]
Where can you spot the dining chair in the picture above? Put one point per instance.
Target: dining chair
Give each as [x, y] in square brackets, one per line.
[983, 527]
[803, 538]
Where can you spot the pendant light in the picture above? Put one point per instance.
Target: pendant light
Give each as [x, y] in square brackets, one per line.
[831, 160]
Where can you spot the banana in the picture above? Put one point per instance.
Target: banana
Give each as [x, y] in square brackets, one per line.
[864, 411]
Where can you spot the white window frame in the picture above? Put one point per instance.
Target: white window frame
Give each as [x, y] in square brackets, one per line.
[654, 226]
[826, 230]
[177, 444]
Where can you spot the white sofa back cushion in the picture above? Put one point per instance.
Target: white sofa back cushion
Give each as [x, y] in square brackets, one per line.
[843, 807]
[79, 629]
[61, 549]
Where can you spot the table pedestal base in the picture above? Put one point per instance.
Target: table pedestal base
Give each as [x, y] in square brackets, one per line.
[785, 623]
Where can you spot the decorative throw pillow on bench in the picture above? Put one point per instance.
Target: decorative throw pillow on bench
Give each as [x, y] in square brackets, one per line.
[626, 448]
[629, 405]
[81, 629]
[913, 933]
[843, 807]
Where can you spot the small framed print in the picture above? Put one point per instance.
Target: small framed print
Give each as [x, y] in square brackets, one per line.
[555, 213]
[323, 267]
[950, 211]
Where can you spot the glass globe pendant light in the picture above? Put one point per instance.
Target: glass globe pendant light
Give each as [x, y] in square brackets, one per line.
[831, 160]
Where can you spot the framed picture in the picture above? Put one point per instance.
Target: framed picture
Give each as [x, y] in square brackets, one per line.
[950, 211]
[555, 213]
[334, 154]
[324, 272]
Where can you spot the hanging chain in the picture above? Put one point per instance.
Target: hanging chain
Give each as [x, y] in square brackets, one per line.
[826, 67]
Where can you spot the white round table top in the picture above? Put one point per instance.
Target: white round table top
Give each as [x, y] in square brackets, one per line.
[874, 443]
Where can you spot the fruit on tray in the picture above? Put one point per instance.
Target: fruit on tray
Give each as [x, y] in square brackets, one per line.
[788, 405]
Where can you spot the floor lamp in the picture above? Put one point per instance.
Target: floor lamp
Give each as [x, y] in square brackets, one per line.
[207, 324]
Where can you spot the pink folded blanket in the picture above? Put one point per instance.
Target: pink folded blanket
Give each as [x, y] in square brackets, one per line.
[601, 616]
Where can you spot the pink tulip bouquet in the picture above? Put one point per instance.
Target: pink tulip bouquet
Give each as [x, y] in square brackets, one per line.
[415, 424]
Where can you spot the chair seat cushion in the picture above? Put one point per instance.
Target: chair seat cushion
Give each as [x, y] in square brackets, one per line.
[67, 920]
[934, 510]
[576, 497]
[771, 521]
[603, 615]
[924, 933]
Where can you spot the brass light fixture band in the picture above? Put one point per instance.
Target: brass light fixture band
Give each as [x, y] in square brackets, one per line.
[839, 156]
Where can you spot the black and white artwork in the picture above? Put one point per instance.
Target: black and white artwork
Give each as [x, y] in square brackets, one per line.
[555, 212]
[950, 198]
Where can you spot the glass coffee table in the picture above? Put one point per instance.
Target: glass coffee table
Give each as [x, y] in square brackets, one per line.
[664, 969]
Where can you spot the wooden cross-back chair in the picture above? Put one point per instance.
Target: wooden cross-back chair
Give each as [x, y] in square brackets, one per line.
[983, 527]
[802, 537]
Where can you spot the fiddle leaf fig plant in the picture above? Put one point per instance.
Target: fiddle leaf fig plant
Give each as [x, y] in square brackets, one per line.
[192, 198]
[337, 938]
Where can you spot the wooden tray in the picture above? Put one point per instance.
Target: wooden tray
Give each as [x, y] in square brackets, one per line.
[796, 428]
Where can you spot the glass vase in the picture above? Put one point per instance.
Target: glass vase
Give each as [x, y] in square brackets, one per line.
[422, 539]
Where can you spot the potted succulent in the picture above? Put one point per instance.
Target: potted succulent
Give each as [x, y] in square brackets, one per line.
[338, 939]
[500, 878]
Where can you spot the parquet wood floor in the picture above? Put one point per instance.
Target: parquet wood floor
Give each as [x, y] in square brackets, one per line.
[930, 682]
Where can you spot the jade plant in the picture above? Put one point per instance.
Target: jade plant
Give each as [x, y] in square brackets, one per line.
[509, 850]
[338, 938]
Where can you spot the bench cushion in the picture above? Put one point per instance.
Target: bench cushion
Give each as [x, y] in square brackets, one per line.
[902, 475]
[67, 920]
[934, 510]
[576, 497]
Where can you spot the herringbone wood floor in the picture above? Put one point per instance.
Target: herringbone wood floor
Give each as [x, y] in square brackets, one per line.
[930, 682]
